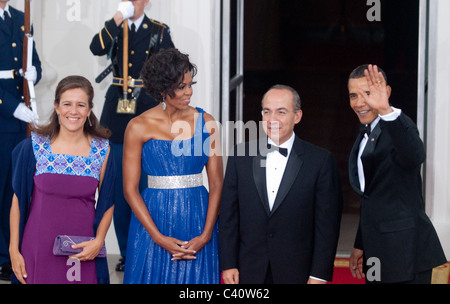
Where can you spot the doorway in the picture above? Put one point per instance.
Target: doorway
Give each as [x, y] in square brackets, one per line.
[313, 45]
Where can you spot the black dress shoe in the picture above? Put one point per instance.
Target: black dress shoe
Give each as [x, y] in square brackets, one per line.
[121, 265]
[5, 272]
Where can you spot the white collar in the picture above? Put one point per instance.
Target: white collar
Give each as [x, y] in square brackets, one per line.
[287, 144]
[137, 23]
[6, 9]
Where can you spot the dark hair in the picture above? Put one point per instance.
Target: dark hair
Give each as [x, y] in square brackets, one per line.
[163, 72]
[295, 95]
[359, 72]
[93, 128]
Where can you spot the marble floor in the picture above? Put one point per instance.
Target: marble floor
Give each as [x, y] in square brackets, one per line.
[349, 225]
[116, 277]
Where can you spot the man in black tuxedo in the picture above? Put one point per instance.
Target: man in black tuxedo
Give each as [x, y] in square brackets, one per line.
[281, 206]
[384, 168]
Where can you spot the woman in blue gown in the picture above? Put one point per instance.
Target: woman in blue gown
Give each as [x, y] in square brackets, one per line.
[173, 230]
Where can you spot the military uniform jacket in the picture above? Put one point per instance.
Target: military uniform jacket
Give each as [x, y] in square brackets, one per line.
[110, 39]
[11, 90]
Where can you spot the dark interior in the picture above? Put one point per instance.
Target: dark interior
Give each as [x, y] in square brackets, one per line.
[313, 45]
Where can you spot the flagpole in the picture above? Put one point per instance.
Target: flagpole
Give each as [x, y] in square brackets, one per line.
[125, 58]
[27, 33]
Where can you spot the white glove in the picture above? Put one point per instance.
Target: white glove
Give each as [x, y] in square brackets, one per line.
[23, 113]
[30, 74]
[126, 8]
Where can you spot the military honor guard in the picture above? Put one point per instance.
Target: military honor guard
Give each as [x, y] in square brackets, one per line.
[128, 39]
[14, 113]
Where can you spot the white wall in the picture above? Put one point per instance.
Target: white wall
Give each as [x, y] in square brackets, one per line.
[438, 123]
[63, 30]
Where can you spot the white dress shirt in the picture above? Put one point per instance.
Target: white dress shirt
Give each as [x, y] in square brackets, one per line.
[137, 23]
[388, 117]
[3, 11]
[275, 165]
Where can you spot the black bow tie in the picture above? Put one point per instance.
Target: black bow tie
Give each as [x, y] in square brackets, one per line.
[282, 151]
[365, 129]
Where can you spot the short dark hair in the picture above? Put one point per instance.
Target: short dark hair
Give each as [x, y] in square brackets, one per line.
[359, 72]
[163, 72]
[295, 95]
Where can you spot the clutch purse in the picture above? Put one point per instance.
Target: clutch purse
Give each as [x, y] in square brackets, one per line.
[63, 245]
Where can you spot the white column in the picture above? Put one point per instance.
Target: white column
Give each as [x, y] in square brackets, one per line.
[438, 122]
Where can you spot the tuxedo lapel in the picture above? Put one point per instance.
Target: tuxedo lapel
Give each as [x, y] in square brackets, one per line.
[290, 174]
[259, 176]
[353, 165]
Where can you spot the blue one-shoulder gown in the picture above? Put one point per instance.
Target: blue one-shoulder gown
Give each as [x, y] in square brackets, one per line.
[179, 213]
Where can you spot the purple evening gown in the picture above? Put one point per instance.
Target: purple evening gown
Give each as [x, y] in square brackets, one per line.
[63, 202]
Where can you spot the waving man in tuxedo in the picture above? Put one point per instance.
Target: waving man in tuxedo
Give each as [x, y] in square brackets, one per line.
[384, 168]
[281, 207]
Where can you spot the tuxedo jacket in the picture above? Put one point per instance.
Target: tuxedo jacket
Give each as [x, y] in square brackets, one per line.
[298, 237]
[393, 225]
[111, 36]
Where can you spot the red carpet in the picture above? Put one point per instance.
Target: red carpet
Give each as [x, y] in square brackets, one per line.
[342, 274]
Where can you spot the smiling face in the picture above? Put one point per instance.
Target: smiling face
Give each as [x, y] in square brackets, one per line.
[279, 115]
[182, 94]
[73, 109]
[365, 113]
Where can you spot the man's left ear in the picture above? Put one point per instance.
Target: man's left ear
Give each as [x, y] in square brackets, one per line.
[389, 90]
[298, 116]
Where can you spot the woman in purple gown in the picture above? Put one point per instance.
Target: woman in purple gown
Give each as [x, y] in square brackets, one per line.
[56, 174]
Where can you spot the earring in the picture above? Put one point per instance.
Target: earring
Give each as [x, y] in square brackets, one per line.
[59, 121]
[89, 120]
[163, 104]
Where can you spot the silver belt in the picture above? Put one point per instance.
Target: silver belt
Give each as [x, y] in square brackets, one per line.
[175, 182]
